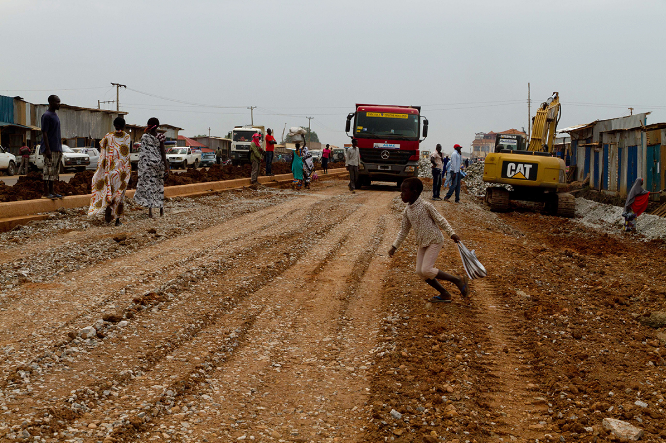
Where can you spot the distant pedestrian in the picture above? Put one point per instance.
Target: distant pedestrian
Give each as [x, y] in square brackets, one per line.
[255, 157]
[466, 163]
[111, 178]
[297, 167]
[427, 222]
[325, 156]
[153, 169]
[437, 162]
[456, 162]
[51, 147]
[445, 163]
[218, 155]
[308, 166]
[270, 148]
[352, 159]
[447, 175]
[24, 152]
[636, 204]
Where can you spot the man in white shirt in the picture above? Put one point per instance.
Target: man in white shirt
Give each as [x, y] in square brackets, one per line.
[352, 158]
[456, 162]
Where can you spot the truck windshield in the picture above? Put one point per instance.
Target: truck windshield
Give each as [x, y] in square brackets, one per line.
[243, 136]
[385, 124]
[178, 151]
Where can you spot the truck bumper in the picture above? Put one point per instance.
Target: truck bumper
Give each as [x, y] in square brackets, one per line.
[384, 172]
[239, 155]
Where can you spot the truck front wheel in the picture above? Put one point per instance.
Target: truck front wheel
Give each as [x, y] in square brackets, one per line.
[196, 164]
[185, 164]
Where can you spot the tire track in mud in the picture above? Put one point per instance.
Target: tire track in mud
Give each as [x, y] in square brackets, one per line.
[208, 319]
[514, 392]
[292, 376]
[142, 282]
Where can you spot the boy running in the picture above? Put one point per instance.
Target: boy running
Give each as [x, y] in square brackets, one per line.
[426, 221]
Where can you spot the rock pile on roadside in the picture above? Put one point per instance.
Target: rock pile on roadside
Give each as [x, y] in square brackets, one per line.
[474, 181]
[425, 170]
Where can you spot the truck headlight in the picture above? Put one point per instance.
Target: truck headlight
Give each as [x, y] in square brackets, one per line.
[409, 169]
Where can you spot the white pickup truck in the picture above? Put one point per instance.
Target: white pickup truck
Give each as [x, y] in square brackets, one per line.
[183, 158]
[69, 159]
[8, 162]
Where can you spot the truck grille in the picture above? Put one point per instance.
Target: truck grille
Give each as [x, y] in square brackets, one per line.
[395, 157]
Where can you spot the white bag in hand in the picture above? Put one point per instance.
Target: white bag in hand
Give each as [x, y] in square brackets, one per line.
[472, 265]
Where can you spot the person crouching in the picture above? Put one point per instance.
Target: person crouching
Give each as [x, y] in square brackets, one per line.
[426, 221]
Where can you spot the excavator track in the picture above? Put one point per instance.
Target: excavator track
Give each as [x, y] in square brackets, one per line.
[498, 199]
[566, 205]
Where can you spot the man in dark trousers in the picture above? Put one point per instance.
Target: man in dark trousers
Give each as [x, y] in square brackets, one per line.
[352, 158]
[456, 163]
[24, 152]
[51, 147]
[270, 148]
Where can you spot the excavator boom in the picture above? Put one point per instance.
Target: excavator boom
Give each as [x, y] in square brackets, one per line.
[544, 125]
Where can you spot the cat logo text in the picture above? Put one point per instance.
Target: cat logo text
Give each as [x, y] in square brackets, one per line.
[520, 171]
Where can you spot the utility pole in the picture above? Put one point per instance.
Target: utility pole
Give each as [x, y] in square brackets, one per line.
[118, 86]
[252, 108]
[631, 110]
[529, 112]
[209, 137]
[309, 136]
[100, 102]
[284, 129]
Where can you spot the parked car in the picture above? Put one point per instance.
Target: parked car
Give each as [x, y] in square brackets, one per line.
[8, 162]
[92, 153]
[69, 159]
[183, 157]
[208, 159]
[316, 155]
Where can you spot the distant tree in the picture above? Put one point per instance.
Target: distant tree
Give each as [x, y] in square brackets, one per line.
[200, 135]
[313, 137]
[228, 135]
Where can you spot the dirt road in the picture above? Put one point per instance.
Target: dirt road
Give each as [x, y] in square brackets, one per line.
[274, 315]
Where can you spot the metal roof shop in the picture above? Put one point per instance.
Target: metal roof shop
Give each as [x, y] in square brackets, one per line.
[17, 123]
[615, 152]
[81, 127]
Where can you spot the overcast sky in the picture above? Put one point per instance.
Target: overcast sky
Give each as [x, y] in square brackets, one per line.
[467, 63]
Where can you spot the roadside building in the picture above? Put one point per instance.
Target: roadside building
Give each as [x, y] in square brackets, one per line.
[484, 142]
[614, 152]
[18, 123]
[214, 143]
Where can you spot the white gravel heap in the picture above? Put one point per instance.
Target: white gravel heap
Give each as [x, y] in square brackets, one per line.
[425, 170]
[474, 181]
[601, 215]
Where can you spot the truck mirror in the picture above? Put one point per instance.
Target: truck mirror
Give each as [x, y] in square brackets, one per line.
[348, 125]
[425, 127]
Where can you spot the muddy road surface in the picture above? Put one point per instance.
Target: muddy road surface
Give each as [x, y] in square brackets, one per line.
[274, 315]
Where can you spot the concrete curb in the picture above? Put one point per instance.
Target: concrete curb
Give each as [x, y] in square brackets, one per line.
[21, 212]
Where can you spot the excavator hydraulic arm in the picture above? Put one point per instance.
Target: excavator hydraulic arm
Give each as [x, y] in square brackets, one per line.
[544, 125]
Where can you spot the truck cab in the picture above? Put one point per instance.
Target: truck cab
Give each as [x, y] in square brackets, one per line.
[388, 138]
[241, 137]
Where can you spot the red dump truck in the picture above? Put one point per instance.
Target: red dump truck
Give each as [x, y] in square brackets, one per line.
[388, 138]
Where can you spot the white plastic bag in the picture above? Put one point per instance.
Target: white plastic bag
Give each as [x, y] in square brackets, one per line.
[472, 265]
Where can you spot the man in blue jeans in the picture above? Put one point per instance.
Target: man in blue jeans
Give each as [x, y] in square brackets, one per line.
[437, 161]
[456, 162]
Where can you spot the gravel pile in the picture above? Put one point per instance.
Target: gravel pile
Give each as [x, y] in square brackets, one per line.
[609, 217]
[425, 170]
[474, 181]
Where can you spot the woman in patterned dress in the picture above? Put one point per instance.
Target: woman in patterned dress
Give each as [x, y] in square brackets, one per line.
[112, 175]
[153, 169]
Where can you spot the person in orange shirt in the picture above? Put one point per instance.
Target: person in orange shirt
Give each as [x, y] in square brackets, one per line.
[270, 148]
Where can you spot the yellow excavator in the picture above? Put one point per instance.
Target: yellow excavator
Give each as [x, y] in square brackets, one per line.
[535, 173]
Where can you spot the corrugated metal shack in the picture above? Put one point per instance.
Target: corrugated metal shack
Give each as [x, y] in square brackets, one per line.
[615, 152]
[79, 126]
[17, 123]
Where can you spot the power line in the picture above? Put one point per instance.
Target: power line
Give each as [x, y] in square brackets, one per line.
[185, 102]
[51, 89]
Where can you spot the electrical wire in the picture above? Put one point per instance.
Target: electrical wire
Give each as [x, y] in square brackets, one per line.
[52, 89]
[183, 101]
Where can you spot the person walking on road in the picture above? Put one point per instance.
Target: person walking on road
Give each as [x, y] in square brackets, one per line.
[325, 155]
[352, 158]
[153, 169]
[308, 166]
[270, 148]
[51, 147]
[427, 222]
[437, 161]
[256, 154]
[297, 167]
[24, 152]
[218, 155]
[456, 162]
[445, 163]
[111, 178]
[636, 204]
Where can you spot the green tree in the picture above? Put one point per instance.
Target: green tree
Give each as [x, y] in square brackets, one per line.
[309, 136]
